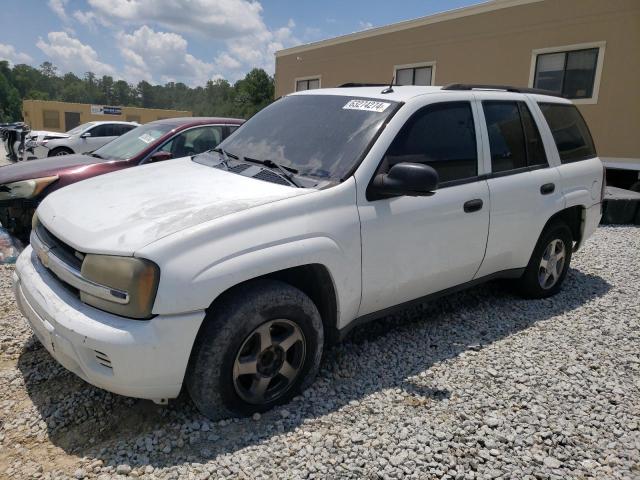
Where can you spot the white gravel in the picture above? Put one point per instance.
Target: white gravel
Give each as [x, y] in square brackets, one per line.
[481, 384]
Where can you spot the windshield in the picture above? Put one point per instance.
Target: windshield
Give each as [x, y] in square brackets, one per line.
[317, 135]
[133, 142]
[81, 128]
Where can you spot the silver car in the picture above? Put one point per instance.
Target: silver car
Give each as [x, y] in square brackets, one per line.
[81, 139]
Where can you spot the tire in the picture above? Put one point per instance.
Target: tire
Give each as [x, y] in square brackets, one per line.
[538, 282]
[60, 151]
[233, 331]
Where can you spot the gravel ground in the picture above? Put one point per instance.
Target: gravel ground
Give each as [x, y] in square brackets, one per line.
[481, 384]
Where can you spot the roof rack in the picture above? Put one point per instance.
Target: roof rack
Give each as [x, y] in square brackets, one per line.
[506, 88]
[354, 84]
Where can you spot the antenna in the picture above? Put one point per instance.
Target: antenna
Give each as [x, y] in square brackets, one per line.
[389, 89]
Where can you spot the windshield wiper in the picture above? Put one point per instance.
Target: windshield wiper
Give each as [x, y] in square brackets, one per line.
[96, 155]
[225, 156]
[286, 172]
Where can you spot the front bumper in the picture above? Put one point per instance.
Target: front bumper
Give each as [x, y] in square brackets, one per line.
[136, 358]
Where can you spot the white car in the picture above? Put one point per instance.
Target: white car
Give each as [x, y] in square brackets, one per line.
[227, 272]
[81, 139]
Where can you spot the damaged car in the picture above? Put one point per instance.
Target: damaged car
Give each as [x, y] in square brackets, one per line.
[23, 185]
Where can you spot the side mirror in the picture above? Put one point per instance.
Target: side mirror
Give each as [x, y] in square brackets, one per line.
[160, 157]
[85, 135]
[411, 179]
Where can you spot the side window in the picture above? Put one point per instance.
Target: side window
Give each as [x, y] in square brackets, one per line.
[570, 132]
[122, 129]
[506, 136]
[194, 141]
[514, 139]
[442, 136]
[105, 130]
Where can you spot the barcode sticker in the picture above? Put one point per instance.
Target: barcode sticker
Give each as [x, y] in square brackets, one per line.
[366, 105]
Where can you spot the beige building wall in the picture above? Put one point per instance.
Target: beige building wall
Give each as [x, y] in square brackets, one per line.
[46, 115]
[495, 46]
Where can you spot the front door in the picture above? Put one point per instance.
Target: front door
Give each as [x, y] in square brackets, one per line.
[414, 246]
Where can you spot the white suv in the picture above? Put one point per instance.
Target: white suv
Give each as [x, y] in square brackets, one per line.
[228, 271]
[81, 139]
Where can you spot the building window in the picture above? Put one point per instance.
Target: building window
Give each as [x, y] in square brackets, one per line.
[50, 119]
[418, 74]
[307, 84]
[573, 72]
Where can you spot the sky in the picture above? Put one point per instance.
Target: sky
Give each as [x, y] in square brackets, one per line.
[190, 41]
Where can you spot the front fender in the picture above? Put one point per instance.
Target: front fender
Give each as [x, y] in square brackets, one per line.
[321, 228]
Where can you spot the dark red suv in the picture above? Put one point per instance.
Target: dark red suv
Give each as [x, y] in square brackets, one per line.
[23, 185]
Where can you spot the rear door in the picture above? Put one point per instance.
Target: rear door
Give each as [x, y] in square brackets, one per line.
[525, 188]
[415, 246]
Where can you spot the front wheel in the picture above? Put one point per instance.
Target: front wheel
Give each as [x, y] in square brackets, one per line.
[549, 262]
[259, 347]
[56, 152]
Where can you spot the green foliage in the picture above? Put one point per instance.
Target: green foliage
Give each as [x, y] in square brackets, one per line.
[217, 98]
[10, 103]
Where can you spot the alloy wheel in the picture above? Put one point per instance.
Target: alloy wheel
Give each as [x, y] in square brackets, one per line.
[269, 361]
[551, 264]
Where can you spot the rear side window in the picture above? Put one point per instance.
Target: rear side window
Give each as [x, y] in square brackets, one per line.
[122, 129]
[442, 136]
[514, 139]
[569, 131]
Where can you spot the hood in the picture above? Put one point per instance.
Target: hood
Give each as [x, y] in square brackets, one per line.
[121, 212]
[40, 134]
[43, 167]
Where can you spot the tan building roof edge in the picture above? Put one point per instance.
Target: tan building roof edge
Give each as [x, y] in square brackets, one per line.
[407, 24]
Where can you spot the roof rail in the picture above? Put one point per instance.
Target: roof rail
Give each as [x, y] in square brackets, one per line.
[354, 84]
[506, 88]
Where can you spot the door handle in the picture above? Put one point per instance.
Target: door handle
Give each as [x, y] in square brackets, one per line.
[473, 205]
[547, 188]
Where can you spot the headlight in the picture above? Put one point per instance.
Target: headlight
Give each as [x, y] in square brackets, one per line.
[134, 282]
[25, 188]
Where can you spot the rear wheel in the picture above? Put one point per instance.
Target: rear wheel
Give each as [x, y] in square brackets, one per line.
[56, 152]
[549, 262]
[260, 346]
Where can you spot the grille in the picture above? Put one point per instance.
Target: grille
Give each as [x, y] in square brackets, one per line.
[103, 359]
[63, 251]
[269, 176]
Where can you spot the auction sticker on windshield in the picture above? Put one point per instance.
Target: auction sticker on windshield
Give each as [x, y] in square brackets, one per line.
[366, 105]
[146, 138]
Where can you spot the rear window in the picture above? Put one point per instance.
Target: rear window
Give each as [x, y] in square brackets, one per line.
[570, 132]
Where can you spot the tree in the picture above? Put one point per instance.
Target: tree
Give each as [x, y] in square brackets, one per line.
[254, 92]
[10, 105]
[122, 93]
[106, 86]
[216, 98]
